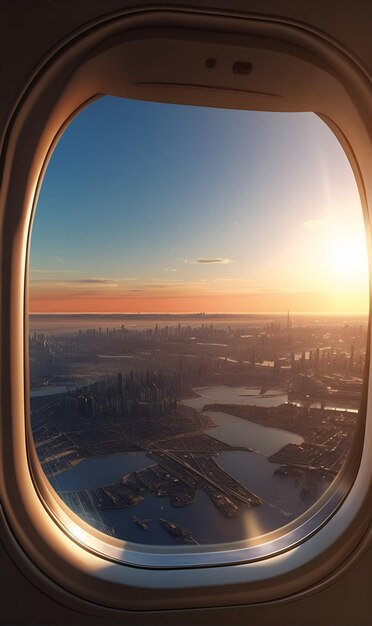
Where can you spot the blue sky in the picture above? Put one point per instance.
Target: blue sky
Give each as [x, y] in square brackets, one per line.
[148, 206]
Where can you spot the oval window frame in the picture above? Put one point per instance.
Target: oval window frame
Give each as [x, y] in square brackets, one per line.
[61, 550]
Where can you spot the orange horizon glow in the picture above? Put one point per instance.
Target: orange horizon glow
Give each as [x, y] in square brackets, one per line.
[253, 303]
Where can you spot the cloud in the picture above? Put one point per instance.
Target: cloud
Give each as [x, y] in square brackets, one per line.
[61, 280]
[94, 281]
[314, 224]
[43, 271]
[166, 281]
[209, 260]
[230, 280]
[164, 285]
[283, 290]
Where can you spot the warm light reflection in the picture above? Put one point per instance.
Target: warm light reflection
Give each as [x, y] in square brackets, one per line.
[79, 533]
[252, 526]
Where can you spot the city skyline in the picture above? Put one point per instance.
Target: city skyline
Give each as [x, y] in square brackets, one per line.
[147, 207]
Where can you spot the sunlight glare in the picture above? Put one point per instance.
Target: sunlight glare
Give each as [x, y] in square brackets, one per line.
[348, 259]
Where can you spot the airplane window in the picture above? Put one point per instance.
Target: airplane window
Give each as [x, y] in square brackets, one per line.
[198, 297]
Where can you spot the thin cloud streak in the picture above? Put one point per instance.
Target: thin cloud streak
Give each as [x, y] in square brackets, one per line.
[104, 282]
[94, 281]
[314, 224]
[207, 260]
[44, 271]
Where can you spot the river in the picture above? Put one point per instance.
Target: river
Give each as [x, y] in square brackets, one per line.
[243, 396]
[281, 495]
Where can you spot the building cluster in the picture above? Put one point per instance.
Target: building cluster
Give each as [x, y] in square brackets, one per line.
[138, 394]
[306, 356]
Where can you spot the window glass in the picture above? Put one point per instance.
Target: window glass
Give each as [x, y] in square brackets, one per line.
[198, 315]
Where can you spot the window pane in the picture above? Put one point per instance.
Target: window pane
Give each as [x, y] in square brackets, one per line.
[198, 318]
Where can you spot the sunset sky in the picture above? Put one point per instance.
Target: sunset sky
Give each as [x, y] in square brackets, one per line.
[149, 207]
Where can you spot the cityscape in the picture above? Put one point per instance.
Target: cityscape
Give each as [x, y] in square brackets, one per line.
[174, 394]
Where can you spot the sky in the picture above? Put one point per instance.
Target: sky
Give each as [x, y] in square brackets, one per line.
[149, 207]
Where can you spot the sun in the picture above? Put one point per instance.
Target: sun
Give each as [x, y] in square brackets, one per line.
[348, 259]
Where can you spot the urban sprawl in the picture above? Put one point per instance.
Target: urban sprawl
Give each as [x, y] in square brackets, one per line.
[125, 389]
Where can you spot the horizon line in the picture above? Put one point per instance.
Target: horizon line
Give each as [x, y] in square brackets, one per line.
[200, 313]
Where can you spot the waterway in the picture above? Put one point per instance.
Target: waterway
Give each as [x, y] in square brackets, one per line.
[115, 356]
[281, 495]
[50, 390]
[100, 471]
[208, 395]
[240, 432]
[243, 396]
[251, 396]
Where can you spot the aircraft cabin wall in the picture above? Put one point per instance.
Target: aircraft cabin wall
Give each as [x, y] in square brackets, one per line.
[29, 31]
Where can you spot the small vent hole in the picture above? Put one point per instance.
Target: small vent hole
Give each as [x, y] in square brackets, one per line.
[210, 64]
[241, 67]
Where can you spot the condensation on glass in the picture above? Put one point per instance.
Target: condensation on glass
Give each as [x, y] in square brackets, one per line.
[198, 319]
